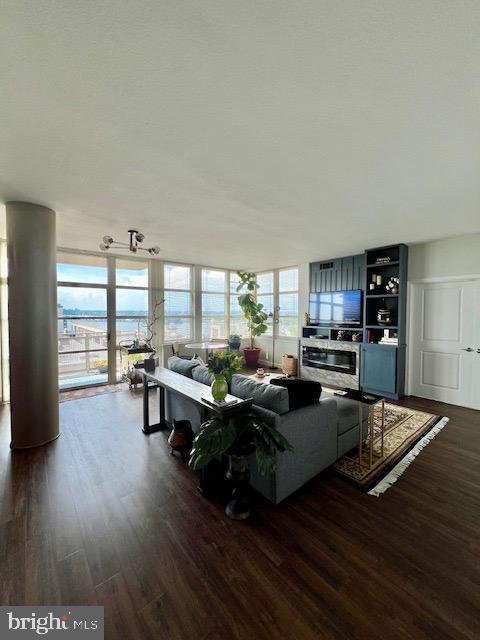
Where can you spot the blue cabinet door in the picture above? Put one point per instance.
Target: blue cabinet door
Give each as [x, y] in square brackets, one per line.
[379, 368]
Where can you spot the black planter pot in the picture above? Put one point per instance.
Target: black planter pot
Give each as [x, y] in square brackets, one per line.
[238, 508]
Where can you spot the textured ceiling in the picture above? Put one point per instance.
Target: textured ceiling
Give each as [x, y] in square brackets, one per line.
[244, 134]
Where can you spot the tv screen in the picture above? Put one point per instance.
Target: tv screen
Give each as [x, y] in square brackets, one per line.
[336, 308]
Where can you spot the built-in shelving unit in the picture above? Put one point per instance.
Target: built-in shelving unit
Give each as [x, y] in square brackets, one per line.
[383, 352]
[383, 330]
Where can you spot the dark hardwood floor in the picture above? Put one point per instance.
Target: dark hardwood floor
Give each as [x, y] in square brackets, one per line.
[106, 515]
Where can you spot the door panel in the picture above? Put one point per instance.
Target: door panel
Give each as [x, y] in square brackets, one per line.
[445, 332]
[442, 314]
[441, 370]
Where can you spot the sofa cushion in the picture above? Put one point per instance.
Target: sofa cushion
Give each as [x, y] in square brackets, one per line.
[301, 393]
[200, 374]
[179, 365]
[264, 395]
[347, 414]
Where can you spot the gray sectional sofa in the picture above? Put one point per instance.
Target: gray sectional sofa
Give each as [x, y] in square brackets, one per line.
[319, 433]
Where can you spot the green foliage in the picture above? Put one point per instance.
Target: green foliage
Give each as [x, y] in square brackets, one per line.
[224, 363]
[252, 310]
[217, 437]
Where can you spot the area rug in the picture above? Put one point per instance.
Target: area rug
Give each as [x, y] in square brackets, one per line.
[407, 432]
[88, 392]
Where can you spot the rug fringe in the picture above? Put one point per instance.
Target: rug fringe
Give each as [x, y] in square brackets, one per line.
[407, 460]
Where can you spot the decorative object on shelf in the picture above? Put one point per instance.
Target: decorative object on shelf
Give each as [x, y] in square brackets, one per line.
[384, 316]
[356, 337]
[393, 285]
[372, 286]
[238, 438]
[341, 335]
[136, 238]
[222, 365]
[379, 281]
[181, 438]
[289, 365]
[384, 260]
[234, 341]
[260, 373]
[306, 319]
[253, 311]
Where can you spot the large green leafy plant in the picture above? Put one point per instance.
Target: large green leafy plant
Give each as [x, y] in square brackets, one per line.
[238, 436]
[224, 363]
[252, 310]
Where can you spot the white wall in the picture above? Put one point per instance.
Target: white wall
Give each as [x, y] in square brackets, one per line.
[459, 256]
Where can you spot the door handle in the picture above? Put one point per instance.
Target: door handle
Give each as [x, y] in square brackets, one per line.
[469, 349]
[478, 350]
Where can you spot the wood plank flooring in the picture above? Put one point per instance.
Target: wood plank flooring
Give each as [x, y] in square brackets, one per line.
[106, 515]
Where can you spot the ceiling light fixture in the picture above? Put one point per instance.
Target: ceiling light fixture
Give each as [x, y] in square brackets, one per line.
[136, 238]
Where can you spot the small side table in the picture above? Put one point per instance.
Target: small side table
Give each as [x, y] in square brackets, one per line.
[370, 400]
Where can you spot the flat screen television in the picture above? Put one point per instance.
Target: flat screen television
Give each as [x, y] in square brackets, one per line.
[336, 308]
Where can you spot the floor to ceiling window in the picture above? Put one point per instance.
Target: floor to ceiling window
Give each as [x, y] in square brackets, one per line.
[278, 292]
[178, 310]
[131, 305]
[82, 320]
[265, 296]
[214, 321]
[288, 302]
[238, 324]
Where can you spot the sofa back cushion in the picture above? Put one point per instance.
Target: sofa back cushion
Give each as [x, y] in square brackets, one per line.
[301, 393]
[200, 374]
[179, 365]
[264, 395]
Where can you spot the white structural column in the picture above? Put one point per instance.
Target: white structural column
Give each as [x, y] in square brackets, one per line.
[32, 313]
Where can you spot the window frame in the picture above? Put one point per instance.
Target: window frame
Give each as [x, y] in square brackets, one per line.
[85, 285]
[275, 320]
[226, 302]
[191, 291]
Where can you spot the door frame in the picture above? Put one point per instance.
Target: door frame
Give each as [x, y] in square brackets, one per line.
[410, 313]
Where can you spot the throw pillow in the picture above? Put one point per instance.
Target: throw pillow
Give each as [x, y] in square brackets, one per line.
[301, 393]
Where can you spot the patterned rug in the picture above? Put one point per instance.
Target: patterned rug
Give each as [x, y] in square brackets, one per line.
[407, 432]
[88, 392]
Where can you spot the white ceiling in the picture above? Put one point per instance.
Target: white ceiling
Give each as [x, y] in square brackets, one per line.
[244, 133]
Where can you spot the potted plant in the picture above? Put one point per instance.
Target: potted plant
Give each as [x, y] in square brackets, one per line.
[255, 316]
[234, 341]
[238, 438]
[222, 365]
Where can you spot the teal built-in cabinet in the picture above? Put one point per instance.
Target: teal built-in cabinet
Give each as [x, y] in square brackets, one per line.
[382, 365]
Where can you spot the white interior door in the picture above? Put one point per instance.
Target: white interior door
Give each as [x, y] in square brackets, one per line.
[445, 342]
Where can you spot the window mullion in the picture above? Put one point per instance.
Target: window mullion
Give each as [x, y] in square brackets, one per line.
[111, 320]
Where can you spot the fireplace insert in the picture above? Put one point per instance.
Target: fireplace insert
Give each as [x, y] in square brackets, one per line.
[331, 359]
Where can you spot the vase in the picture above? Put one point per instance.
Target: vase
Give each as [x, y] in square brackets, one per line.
[219, 388]
[181, 438]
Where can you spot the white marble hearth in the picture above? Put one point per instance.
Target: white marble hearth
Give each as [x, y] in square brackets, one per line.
[328, 376]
